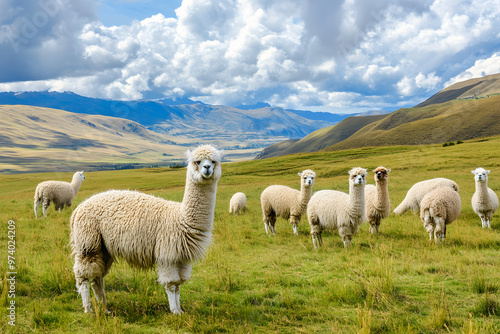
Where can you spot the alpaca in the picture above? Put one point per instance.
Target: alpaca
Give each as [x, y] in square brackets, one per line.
[285, 202]
[59, 192]
[331, 209]
[417, 192]
[146, 230]
[377, 204]
[237, 203]
[439, 208]
[484, 200]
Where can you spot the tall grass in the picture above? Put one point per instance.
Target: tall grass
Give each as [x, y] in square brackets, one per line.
[249, 282]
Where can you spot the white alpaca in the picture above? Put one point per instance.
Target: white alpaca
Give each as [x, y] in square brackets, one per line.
[331, 209]
[237, 203]
[285, 202]
[419, 190]
[59, 192]
[439, 208]
[484, 200]
[146, 230]
[377, 203]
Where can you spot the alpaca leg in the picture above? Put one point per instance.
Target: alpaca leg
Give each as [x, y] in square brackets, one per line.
[272, 222]
[294, 220]
[84, 291]
[99, 293]
[37, 203]
[45, 205]
[439, 230]
[315, 241]
[171, 279]
[483, 220]
[377, 224]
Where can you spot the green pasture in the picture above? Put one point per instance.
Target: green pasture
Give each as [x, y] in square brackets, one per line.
[394, 282]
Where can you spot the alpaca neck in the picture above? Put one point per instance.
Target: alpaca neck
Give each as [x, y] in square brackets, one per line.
[356, 200]
[382, 194]
[198, 204]
[305, 195]
[75, 184]
[482, 190]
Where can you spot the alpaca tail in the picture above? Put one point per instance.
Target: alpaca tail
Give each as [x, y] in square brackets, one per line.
[402, 208]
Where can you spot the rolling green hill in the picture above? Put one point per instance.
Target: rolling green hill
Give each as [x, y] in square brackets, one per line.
[321, 138]
[42, 139]
[433, 124]
[464, 110]
[472, 88]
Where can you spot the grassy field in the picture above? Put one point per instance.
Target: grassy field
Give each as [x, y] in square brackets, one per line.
[394, 282]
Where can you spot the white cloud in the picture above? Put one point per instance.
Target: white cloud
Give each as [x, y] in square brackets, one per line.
[481, 68]
[305, 54]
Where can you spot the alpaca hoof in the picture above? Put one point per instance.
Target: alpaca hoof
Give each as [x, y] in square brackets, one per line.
[177, 311]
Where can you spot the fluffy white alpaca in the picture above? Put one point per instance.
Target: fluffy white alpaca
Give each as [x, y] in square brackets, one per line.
[439, 208]
[59, 192]
[377, 203]
[285, 202]
[484, 200]
[146, 230]
[237, 203]
[331, 209]
[419, 190]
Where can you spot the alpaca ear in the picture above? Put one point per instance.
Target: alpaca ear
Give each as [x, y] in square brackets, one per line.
[388, 171]
[299, 174]
[487, 172]
[473, 172]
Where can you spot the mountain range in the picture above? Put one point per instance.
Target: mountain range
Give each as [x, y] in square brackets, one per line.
[462, 111]
[61, 122]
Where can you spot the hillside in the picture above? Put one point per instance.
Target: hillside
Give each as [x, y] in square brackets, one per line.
[464, 110]
[42, 139]
[319, 139]
[433, 124]
[472, 88]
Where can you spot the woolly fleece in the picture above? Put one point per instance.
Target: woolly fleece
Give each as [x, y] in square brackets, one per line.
[237, 203]
[59, 192]
[331, 209]
[439, 208]
[146, 230]
[419, 190]
[377, 203]
[484, 201]
[285, 202]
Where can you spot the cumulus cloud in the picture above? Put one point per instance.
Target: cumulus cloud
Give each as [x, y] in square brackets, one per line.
[315, 54]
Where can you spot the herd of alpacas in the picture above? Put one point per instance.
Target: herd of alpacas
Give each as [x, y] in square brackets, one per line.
[148, 231]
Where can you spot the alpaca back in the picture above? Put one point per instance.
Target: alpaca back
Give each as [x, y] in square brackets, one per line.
[59, 192]
[441, 202]
[279, 199]
[330, 207]
[140, 228]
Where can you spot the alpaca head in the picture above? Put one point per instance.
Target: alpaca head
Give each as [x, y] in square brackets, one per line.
[78, 176]
[307, 177]
[381, 173]
[203, 164]
[357, 176]
[480, 174]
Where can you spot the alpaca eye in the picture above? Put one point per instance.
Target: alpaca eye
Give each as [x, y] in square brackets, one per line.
[213, 162]
[198, 162]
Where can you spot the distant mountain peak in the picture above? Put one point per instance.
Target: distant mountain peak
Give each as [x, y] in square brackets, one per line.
[257, 105]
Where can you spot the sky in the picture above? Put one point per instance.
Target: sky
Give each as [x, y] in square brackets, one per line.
[320, 55]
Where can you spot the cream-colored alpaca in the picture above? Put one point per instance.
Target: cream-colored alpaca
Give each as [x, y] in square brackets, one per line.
[146, 230]
[335, 210]
[285, 202]
[484, 200]
[377, 204]
[60, 192]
